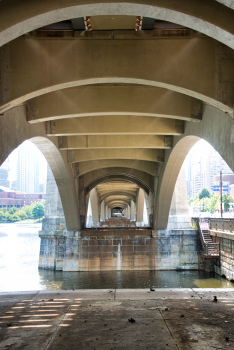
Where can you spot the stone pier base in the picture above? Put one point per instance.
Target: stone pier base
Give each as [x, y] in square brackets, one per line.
[119, 249]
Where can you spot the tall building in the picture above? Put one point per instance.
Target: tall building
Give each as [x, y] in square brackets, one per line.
[4, 169]
[202, 169]
[27, 173]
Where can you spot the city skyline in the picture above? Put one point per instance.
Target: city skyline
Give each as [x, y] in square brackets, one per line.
[203, 163]
[12, 163]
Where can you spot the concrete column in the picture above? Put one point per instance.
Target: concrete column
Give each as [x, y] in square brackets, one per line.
[129, 212]
[179, 210]
[102, 211]
[54, 215]
[132, 215]
[109, 212]
[106, 211]
[82, 204]
[140, 205]
[94, 205]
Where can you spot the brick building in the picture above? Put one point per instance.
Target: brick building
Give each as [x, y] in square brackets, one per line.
[9, 198]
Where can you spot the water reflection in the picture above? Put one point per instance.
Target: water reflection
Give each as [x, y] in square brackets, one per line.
[19, 253]
[131, 279]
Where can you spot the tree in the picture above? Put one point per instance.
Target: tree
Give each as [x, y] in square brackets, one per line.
[204, 193]
[28, 210]
[14, 217]
[38, 210]
[213, 203]
[22, 214]
[12, 210]
[226, 200]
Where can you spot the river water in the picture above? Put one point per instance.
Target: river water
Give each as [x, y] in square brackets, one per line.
[19, 254]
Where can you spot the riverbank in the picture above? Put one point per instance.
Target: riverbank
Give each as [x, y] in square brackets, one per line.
[118, 319]
[27, 221]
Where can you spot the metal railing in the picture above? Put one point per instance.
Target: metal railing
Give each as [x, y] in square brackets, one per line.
[210, 249]
[221, 224]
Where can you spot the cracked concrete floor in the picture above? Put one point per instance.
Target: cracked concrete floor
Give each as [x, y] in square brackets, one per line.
[99, 319]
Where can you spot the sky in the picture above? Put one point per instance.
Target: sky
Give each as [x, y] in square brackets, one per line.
[201, 147]
[13, 163]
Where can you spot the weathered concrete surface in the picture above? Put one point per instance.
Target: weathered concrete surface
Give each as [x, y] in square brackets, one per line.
[98, 319]
[226, 243]
[217, 129]
[208, 17]
[120, 249]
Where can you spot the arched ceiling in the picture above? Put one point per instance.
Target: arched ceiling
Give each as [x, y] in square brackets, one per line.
[209, 17]
[118, 192]
[115, 98]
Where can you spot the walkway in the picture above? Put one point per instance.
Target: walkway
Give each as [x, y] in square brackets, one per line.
[98, 319]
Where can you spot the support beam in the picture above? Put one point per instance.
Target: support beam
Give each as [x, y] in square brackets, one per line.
[142, 176]
[116, 202]
[119, 178]
[113, 141]
[119, 193]
[152, 155]
[38, 64]
[148, 167]
[115, 100]
[22, 17]
[118, 125]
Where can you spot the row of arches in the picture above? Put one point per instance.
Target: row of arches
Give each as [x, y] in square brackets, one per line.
[103, 109]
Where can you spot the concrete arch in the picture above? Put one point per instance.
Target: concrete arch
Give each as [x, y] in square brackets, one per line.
[145, 178]
[123, 193]
[146, 166]
[116, 177]
[41, 59]
[217, 129]
[14, 130]
[63, 181]
[112, 100]
[115, 202]
[34, 14]
[121, 205]
[171, 173]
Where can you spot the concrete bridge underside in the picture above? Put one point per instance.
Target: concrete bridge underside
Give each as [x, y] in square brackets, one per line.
[116, 109]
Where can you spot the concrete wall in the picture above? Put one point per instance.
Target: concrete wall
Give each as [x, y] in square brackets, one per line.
[126, 249]
[226, 265]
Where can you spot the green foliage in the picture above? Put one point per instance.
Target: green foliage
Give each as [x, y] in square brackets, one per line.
[211, 202]
[194, 226]
[28, 209]
[226, 200]
[204, 193]
[12, 210]
[14, 217]
[22, 214]
[38, 210]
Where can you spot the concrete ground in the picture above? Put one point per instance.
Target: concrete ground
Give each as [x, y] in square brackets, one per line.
[167, 319]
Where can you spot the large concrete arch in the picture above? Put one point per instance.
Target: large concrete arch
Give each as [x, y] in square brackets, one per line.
[145, 178]
[62, 178]
[146, 166]
[41, 58]
[31, 15]
[116, 177]
[14, 130]
[171, 173]
[125, 100]
[116, 202]
[217, 129]
[122, 193]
